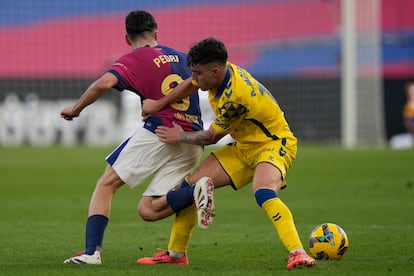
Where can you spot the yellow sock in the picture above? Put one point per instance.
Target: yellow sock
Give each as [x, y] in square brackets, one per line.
[181, 230]
[282, 220]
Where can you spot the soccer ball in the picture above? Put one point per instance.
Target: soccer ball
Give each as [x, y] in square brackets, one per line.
[328, 242]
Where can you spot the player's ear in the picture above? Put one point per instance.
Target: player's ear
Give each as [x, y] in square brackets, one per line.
[127, 40]
[216, 70]
[155, 35]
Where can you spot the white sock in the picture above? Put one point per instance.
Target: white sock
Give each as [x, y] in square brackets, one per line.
[175, 254]
[297, 250]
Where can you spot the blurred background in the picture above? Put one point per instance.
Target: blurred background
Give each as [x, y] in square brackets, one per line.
[338, 68]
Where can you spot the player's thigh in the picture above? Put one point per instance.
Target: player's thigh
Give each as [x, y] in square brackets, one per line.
[212, 168]
[227, 166]
[109, 180]
[272, 161]
[267, 175]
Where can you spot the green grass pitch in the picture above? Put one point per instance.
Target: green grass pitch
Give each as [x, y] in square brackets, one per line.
[370, 193]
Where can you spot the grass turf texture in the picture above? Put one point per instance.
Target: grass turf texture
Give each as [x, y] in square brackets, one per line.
[369, 193]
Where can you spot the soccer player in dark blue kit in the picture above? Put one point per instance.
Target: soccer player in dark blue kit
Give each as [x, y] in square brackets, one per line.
[152, 71]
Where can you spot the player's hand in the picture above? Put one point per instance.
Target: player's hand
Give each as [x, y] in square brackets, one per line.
[68, 113]
[149, 107]
[170, 135]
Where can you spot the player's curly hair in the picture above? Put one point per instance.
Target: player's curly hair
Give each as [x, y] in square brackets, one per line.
[138, 22]
[207, 51]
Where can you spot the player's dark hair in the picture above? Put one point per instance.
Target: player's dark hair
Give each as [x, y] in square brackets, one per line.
[207, 51]
[138, 22]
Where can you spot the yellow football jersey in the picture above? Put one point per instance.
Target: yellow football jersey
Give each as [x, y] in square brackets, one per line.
[246, 110]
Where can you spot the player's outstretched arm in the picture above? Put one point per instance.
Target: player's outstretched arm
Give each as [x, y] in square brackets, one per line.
[94, 92]
[175, 134]
[184, 89]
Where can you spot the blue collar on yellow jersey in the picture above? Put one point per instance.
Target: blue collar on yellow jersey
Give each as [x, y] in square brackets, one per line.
[224, 85]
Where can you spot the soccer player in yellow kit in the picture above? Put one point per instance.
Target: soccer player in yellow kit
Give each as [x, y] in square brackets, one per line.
[264, 150]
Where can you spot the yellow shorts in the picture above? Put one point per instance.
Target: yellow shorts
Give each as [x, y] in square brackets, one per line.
[239, 161]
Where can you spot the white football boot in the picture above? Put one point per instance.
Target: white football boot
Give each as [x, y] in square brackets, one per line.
[204, 202]
[82, 258]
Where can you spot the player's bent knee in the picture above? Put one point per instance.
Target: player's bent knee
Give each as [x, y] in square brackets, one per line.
[264, 194]
[146, 214]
